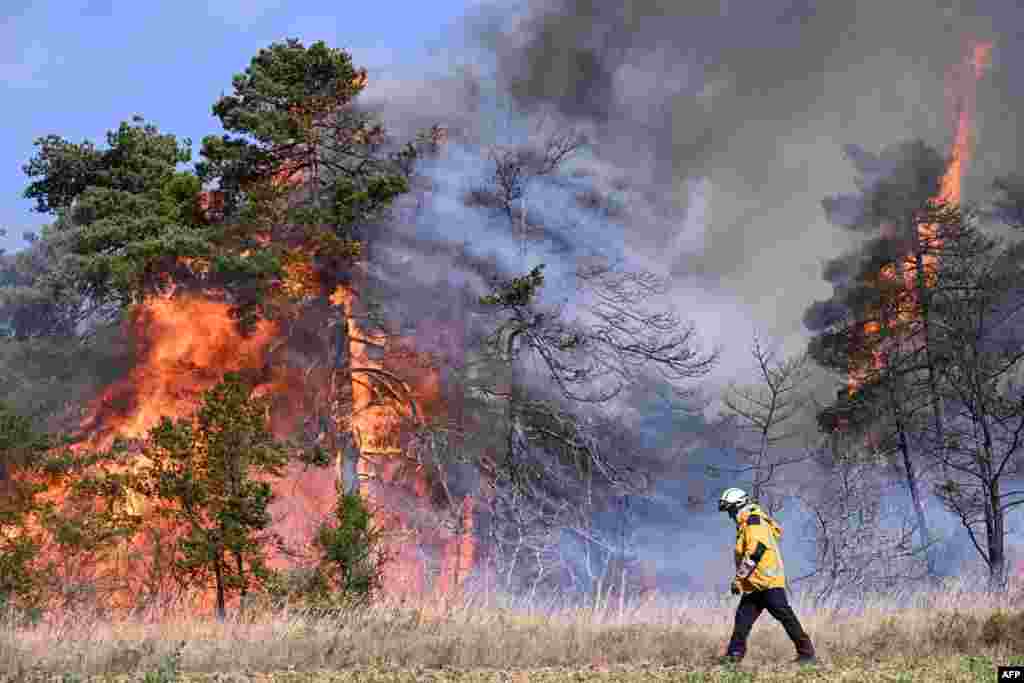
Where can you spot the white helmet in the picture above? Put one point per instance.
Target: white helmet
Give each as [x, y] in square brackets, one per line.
[732, 500]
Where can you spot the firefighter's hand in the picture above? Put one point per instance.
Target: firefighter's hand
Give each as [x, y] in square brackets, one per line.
[735, 588]
[746, 568]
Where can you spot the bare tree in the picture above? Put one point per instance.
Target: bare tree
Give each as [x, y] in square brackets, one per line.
[616, 333]
[979, 301]
[764, 420]
[860, 546]
[556, 370]
[559, 469]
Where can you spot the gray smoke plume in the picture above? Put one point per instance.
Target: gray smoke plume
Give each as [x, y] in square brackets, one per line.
[760, 99]
[716, 129]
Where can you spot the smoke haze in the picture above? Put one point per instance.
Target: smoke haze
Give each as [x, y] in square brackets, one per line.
[717, 128]
[741, 111]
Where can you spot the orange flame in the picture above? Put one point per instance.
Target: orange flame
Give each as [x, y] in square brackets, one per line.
[961, 89]
[184, 347]
[385, 479]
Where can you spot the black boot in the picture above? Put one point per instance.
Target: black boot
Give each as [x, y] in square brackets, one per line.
[804, 651]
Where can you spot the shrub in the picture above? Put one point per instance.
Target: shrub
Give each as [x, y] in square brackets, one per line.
[352, 556]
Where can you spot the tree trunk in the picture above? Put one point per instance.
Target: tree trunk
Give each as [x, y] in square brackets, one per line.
[244, 591]
[995, 527]
[995, 521]
[924, 310]
[918, 503]
[997, 570]
[218, 572]
[915, 498]
[346, 453]
[912, 482]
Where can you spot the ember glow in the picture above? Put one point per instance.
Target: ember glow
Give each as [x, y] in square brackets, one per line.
[961, 87]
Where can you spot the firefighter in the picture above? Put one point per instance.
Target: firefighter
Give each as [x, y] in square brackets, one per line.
[760, 577]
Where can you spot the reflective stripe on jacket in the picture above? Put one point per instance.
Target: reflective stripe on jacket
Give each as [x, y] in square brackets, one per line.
[757, 537]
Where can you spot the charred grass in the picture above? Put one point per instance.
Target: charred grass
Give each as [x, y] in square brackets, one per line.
[949, 635]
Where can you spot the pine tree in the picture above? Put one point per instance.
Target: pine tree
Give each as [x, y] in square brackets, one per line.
[209, 478]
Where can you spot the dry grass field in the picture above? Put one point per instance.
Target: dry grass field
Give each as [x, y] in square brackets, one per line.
[948, 635]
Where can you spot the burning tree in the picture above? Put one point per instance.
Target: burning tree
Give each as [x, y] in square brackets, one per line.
[127, 217]
[259, 273]
[258, 261]
[924, 320]
[965, 362]
[878, 327]
[881, 326]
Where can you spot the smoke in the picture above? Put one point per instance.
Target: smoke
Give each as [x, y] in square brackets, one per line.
[717, 129]
[759, 101]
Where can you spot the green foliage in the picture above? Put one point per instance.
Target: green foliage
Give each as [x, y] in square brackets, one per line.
[293, 136]
[209, 477]
[137, 159]
[354, 201]
[281, 79]
[20, 443]
[351, 553]
[168, 670]
[250, 277]
[517, 292]
[65, 169]
[37, 296]
[126, 214]
[348, 572]
[21, 451]
[85, 531]
[297, 164]
[981, 667]
[277, 102]
[39, 538]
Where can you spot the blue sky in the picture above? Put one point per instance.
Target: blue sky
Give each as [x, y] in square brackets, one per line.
[78, 67]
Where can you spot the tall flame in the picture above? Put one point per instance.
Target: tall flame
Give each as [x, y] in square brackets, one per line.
[183, 347]
[397, 490]
[960, 90]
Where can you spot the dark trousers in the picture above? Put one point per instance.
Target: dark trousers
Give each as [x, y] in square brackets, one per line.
[774, 600]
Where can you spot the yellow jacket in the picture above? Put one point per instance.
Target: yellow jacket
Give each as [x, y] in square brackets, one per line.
[757, 539]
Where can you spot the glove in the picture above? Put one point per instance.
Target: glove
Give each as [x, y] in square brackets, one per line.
[735, 588]
[746, 568]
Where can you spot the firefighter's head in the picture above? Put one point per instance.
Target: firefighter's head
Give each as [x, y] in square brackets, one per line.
[732, 501]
